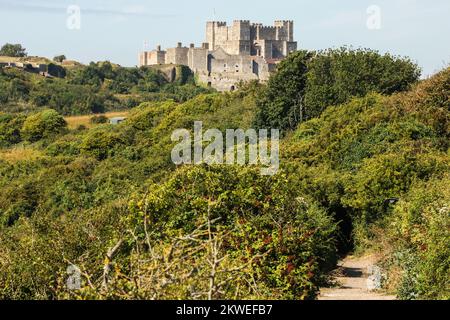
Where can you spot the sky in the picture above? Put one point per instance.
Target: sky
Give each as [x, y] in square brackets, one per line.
[116, 30]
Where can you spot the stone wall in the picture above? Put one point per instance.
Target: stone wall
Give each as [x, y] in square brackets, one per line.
[157, 57]
[198, 60]
[178, 55]
[244, 38]
[240, 52]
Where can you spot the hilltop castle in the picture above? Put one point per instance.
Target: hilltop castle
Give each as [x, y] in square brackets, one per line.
[244, 51]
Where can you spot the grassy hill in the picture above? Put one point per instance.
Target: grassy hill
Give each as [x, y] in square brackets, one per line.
[36, 60]
[96, 88]
[367, 174]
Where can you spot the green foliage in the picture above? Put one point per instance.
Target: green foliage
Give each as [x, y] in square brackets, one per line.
[419, 230]
[59, 58]
[10, 129]
[96, 88]
[285, 111]
[99, 119]
[44, 124]
[335, 76]
[271, 243]
[101, 142]
[311, 82]
[13, 50]
[109, 200]
[355, 157]
[18, 89]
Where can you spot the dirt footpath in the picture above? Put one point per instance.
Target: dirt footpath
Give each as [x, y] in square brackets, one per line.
[352, 281]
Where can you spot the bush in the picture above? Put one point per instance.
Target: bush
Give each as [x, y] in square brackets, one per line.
[13, 50]
[99, 119]
[101, 142]
[419, 232]
[44, 124]
[312, 82]
[10, 127]
[59, 58]
[269, 241]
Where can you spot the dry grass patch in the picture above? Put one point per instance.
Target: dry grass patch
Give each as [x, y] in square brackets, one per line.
[76, 121]
[20, 154]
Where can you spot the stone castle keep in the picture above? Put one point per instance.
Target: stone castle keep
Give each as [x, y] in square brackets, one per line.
[244, 51]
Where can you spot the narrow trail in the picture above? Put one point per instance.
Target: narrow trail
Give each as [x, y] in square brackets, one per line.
[352, 280]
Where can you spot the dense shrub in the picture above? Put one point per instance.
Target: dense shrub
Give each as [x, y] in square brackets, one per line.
[96, 88]
[42, 125]
[268, 241]
[10, 129]
[109, 199]
[312, 81]
[99, 119]
[101, 142]
[419, 234]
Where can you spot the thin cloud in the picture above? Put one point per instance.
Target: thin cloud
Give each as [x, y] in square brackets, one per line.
[28, 6]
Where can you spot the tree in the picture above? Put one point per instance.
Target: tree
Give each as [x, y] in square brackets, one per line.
[281, 106]
[13, 50]
[307, 83]
[43, 125]
[335, 76]
[106, 69]
[91, 75]
[60, 58]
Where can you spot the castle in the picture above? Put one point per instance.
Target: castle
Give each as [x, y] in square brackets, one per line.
[244, 51]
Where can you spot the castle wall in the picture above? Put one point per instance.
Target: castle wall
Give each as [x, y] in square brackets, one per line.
[267, 33]
[198, 60]
[244, 38]
[143, 60]
[177, 55]
[240, 52]
[240, 31]
[156, 57]
[286, 30]
[234, 65]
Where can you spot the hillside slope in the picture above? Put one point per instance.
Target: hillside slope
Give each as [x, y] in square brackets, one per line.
[109, 201]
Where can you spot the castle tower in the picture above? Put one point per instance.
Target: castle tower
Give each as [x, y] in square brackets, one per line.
[241, 30]
[216, 33]
[210, 34]
[243, 51]
[285, 30]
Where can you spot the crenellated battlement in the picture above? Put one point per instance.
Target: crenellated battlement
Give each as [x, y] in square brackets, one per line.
[231, 53]
[268, 28]
[218, 23]
[239, 37]
[284, 21]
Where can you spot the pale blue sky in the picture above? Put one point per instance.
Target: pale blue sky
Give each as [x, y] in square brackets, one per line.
[115, 30]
